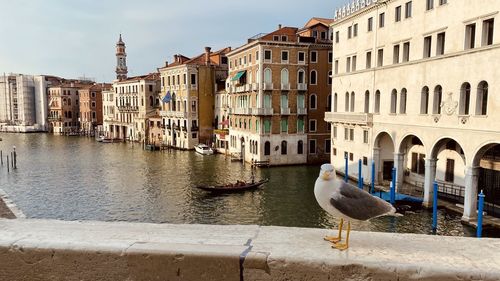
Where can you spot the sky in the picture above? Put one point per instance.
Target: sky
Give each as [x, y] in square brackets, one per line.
[77, 38]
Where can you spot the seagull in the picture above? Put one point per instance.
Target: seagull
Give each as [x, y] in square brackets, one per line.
[346, 201]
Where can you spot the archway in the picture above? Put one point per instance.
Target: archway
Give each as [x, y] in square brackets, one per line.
[411, 166]
[383, 155]
[486, 177]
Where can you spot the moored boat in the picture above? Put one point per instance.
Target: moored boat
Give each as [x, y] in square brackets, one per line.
[203, 149]
[238, 186]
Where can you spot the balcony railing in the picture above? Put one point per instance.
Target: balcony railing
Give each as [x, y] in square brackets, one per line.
[195, 129]
[181, 114]
[255, 86]
[349, 117]
[302, 86]
[301, 111]
[128, 108]
[285, 111]
[285, 87]
[240, 89]
[262, 111]
[242, 111]
[267, 86]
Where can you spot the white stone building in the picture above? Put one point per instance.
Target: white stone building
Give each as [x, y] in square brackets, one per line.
[414, 87]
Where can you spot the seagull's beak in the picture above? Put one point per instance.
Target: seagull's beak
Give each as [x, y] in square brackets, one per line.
[326, 175]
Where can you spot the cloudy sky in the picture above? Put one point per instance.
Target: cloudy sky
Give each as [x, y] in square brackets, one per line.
[77, 38]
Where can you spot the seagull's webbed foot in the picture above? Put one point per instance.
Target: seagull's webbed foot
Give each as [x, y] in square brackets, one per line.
[341, 246]
[332, 239]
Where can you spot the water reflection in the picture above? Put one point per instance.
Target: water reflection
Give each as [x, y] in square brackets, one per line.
[73, 178]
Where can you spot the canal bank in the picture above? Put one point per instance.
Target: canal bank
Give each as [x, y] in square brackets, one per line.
[57, 250]
[8, 209]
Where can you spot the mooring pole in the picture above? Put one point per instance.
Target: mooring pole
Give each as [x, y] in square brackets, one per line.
[479, 231]
[346, 176]
[8, 169]
[14, 154]
[393, 186]
[12, 159]
[360, 177]
[434, 206]
[1, 156]
[373, 177]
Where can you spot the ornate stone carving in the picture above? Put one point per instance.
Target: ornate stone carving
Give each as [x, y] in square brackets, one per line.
[449, 105]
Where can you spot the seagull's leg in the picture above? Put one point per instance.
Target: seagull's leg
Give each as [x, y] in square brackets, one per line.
[337, 239]
[344, 246]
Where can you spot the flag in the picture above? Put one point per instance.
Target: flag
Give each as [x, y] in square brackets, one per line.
[167, 97]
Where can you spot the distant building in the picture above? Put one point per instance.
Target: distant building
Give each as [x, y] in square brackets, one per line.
[279, 89]
[23, 103]
[414, 88]
[188, 93]
[91, 108]
[64, 108]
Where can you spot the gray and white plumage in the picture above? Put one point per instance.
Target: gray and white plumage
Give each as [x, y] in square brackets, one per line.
[344, 200]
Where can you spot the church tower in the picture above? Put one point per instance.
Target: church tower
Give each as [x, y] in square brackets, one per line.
[121, 60]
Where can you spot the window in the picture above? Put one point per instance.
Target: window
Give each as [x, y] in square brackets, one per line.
[450, 170]
[376, 108]
[440, 44]
[470, 36]
[380, 57]
[346, 107]
[267, 148]
[402, 101]
[267, 126]
[301, 77]
[368, 60]
[395, 59]
[302, 57]
[323, 35]
[284, 76]
[353, 96]
[367, 102]
[394, 101]
[427, 46]
[354, 58]
[284, 38]
[328, 146]
[276, 38]
[312, 125]
[418, 163]
[349, 32]
[337, 37]
[355, 30]
[365, 136]
[482, 98]
[283, 147]
[257, 55]
[300, 125]
[408, 7]
[284, 124]
[398, 13]
[488, 32]
[284, 101]
[464, 99]
[268, 76]
[193, 79]
[267, 55]
[351, 134]
[429, 5]
[336, 66]
[438, 97]
[442, 2]
[314, 77]
[312, 146]
[314, 56]
[424, 100]
[300, 147]
[381, 20]
[370, 24]
[329, 77]
[284, 56]
[335, 132]
[348, 65]
[346, 133]
[406, 51]
[335, 102]
[312, 101]
[330, 57]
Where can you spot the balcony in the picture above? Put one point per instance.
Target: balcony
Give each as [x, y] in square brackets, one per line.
[183, 87]
[176, 128]
[285, 111]
[52, 119]
[194, 87]
[242, 111]
[195, 129]
[262, 111]
[267, 86]
[240, 89]
[302, 86]
[248, 87]
[301, 111]
[255, 86]
[184, 129]
[349, 118]
[168, 127]
[128, 108]
[285, 87]
[181, 114]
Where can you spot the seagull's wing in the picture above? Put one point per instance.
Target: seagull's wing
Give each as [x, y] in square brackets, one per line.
[359, 204]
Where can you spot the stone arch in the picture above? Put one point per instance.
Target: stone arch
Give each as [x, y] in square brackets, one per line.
[481, 150]
[484, 176]
[383, 156]
[410, 164]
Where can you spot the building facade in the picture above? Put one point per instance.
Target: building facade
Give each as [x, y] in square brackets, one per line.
[91, 108]
[64, 109]
[278, 93]
[188, 89]
[411, 91]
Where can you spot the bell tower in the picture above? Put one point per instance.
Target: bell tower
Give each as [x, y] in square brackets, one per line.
[121, 60]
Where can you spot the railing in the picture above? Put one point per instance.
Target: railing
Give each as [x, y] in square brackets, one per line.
[240, 89]
[267, 86]
[301, 111]
[285, 111]
[195, 129]
[181, 114]
[302, 86]
[451, 192]
[184, 129]
[349, 117]
[194, 87]
[242, 111]
[285, 87]
[255, 86]
[128, 108]
[262, 111]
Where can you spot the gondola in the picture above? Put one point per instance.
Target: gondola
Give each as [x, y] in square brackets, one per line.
[232, 187]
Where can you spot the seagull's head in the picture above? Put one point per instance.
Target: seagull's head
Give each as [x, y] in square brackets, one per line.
[327, 172]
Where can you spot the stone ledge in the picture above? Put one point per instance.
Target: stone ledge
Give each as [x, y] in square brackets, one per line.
[56, 250]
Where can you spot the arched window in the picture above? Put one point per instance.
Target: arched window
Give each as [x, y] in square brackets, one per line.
[314, 77]
[300, 147]
[424, 100]
[394, 100]
[329, 102]
[69, 101]
[402, 102]
[312, 101]
[173, 103]
[283, 147]
[329, 77]
[438, 97]
[482, 98]
[376, 108]
[301, 76]
[267, 148]
[284, 76]
[464, 99]
[353, 98]
[367, 102]
[346, 106]
[268, 76]
[256, 147]
[335, 102]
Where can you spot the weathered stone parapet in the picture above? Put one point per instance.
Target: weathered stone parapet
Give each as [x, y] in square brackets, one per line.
[56, 250]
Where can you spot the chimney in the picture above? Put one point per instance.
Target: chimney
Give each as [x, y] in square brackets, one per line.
[175, 58]
[279, 26]
[207, 55]
[166, 63]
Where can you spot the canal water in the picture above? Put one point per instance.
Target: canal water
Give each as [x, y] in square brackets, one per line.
[77, 178]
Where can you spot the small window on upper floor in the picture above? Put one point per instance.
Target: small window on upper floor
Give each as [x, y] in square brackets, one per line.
[336, 66]
[276, 38]
[223, 60]
[470, 36]
[267, 55]
[408, 10]
[442, 2]
[429, 5]
[284, 38]
[355, 30]
[381, 20]
[368, 60]
[427, 46]
[284, 56]
[440, 44]
[314, 56]
[301, 57]
[406, 51]
[370, 24]
[337, 37]
[323, 35]
[349, 32]
[397, 13]
[380, 57]
[330, 57]
[315, 34]
[395, 59]
[488, 32]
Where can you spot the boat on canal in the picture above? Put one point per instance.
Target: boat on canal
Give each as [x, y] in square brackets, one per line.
[233, 187]
[203, 149]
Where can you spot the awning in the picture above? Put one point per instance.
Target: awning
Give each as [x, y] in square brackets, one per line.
[239, 75]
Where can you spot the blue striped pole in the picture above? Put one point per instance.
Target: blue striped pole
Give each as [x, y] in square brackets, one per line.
[435, 207]
[480, 215]
[360, 177]
[346, 176]
[373, 177]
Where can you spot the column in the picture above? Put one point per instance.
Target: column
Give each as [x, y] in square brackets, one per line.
[430, 176]
[376, 158]
[399, 165]
[470, 198]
